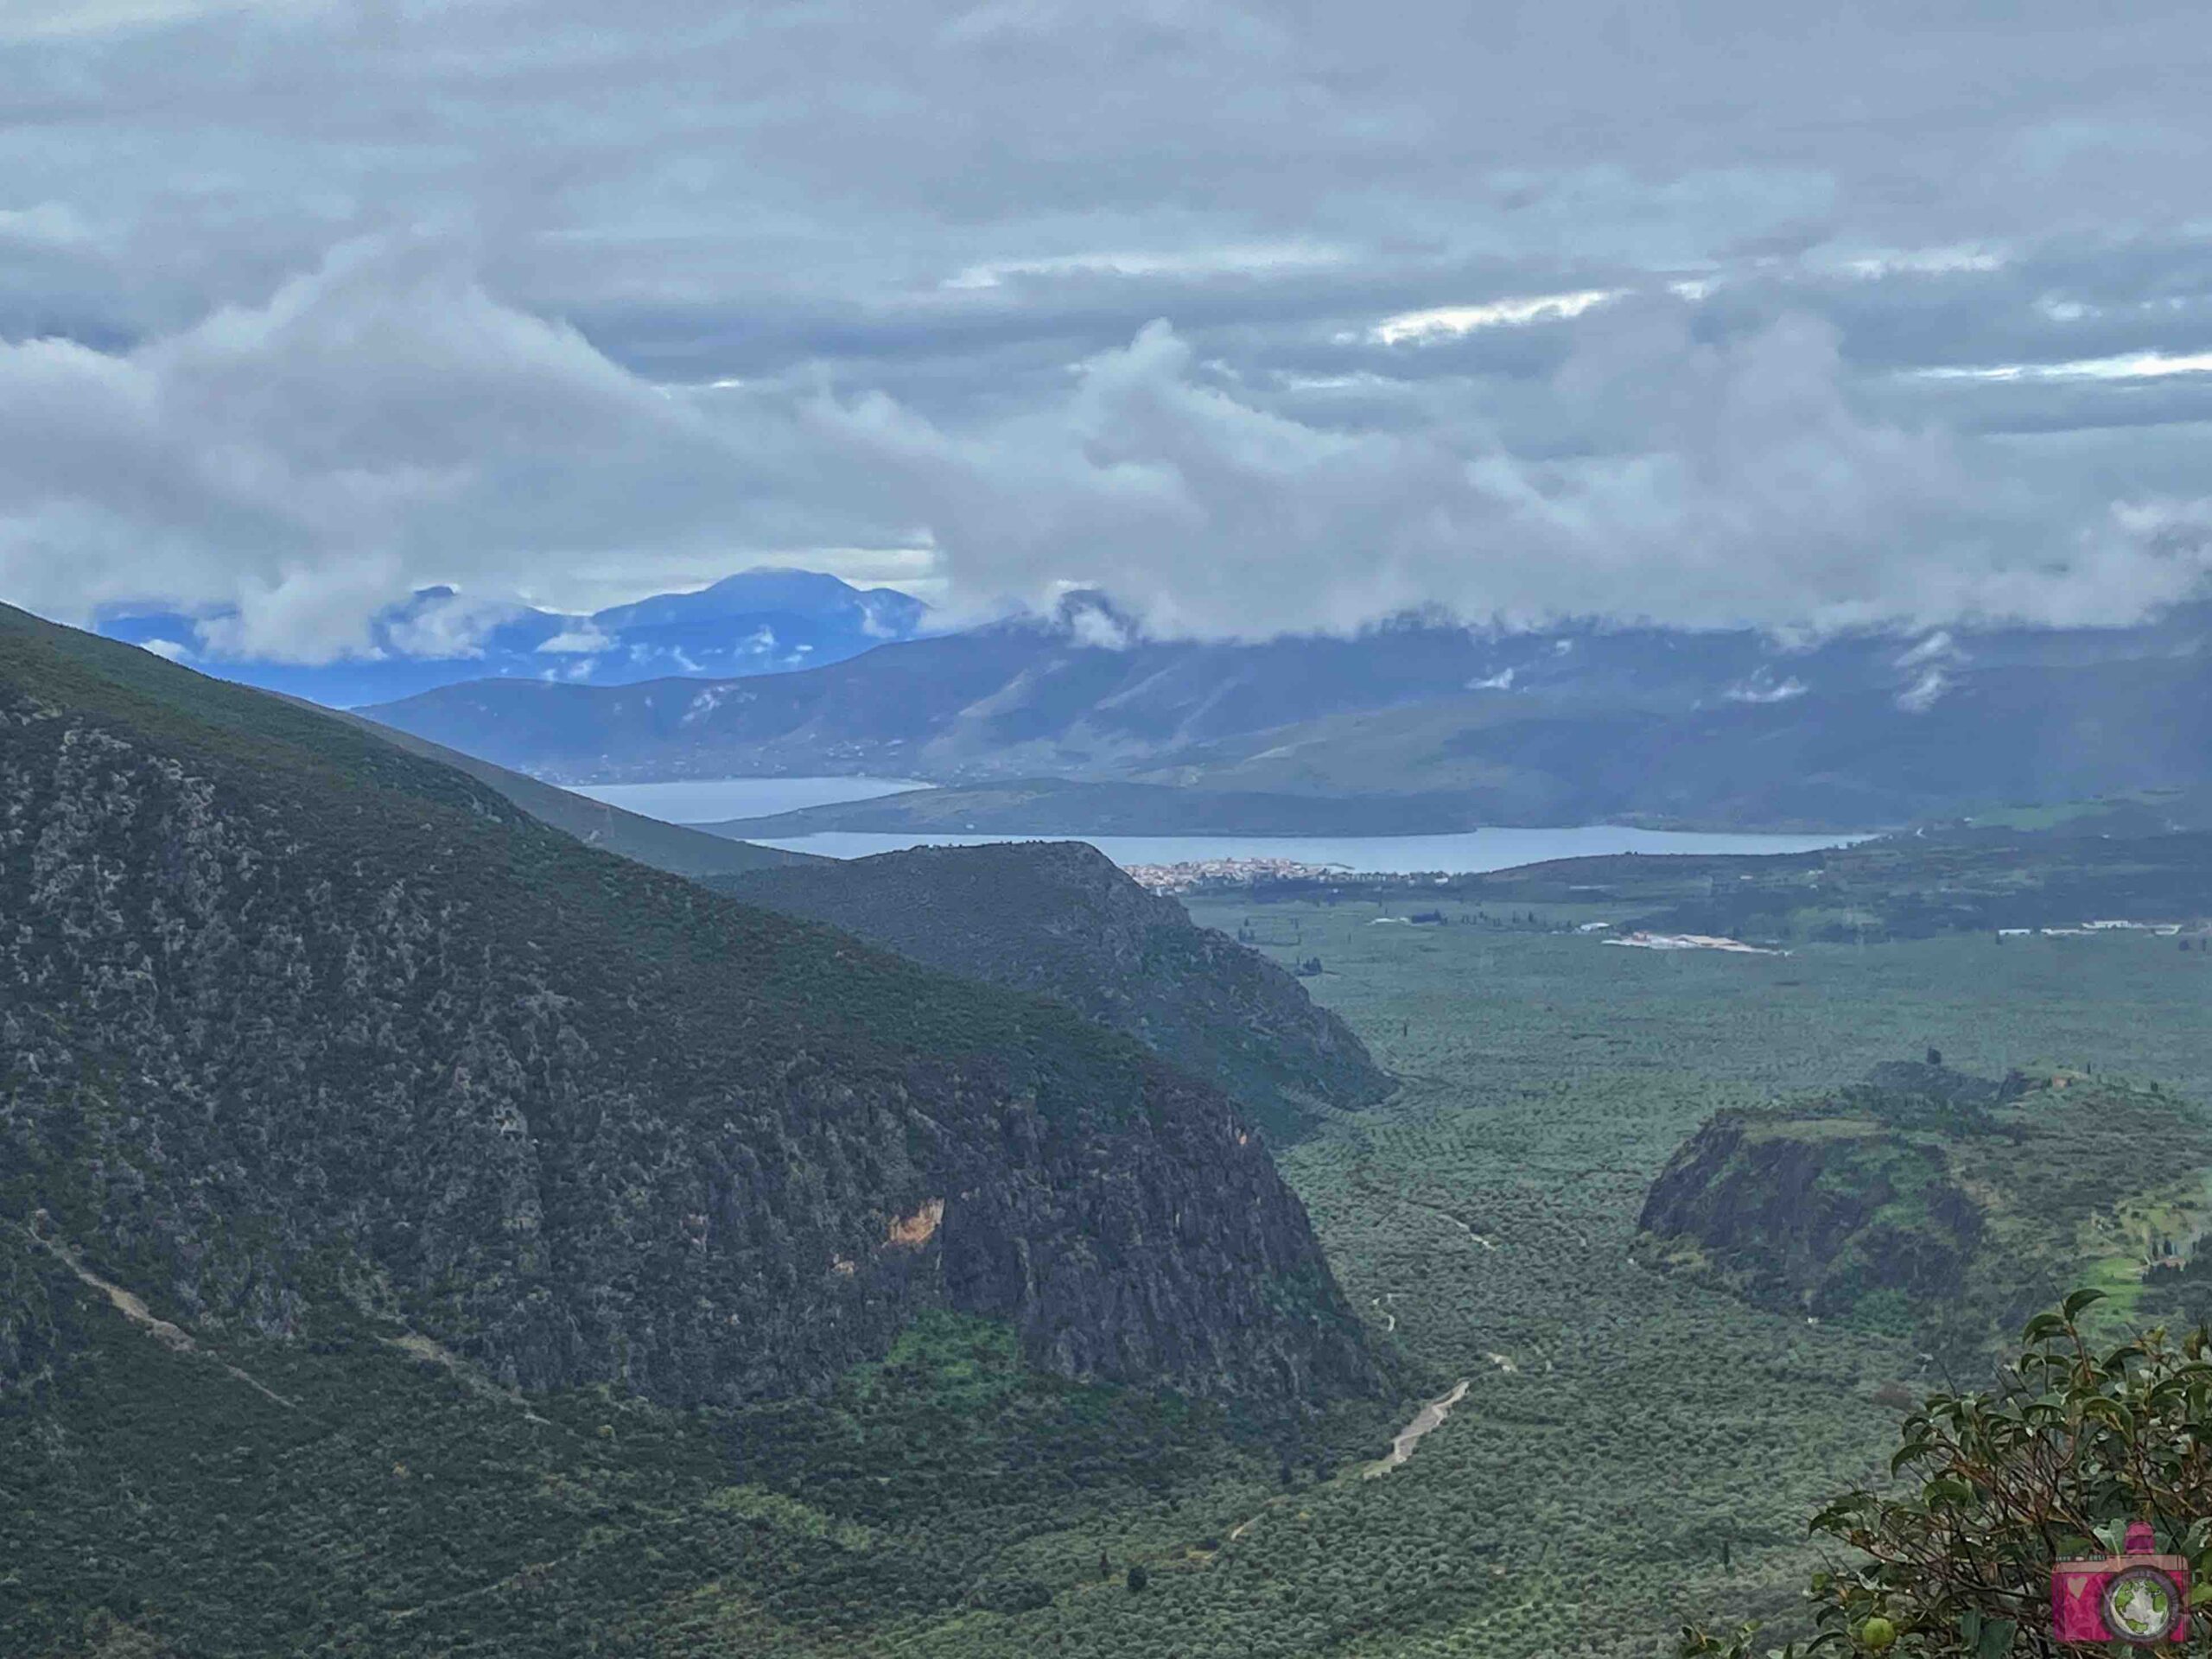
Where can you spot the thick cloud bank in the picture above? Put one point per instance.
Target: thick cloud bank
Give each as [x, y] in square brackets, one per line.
[1259, 324]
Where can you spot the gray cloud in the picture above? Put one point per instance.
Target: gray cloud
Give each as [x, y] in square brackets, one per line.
[314, 302]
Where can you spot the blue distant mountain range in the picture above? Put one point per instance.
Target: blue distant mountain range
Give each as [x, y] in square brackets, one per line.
[1076, 721]
[756, 622]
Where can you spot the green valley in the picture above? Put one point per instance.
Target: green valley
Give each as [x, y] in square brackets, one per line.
[232, 1425]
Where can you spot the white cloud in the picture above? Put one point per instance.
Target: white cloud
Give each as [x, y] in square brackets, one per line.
[1923, 261]
[1719, 482]
[303, 460]
[786, 244]
[168, 649]
[2128, 365]
[805, 285]
[49, 225]
[1710, 482]
[1093, 625]
[1937, 647]
[1925, 692]
[584, 640]
[28, 19]
[1762, 689]
[446, 624]
[1445, 320]
[1258, 258]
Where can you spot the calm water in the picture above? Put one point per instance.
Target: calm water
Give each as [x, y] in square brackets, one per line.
[1472, 852]
[714, 800]
[717, 799]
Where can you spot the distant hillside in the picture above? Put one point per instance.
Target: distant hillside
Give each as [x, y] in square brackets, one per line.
[1053, 806]
[756, 622]
[670, 847]
[306, 1030]
[1059, 919]
[1416, 726]
[1929, 1202]
[1857, 757]
[1910, 886]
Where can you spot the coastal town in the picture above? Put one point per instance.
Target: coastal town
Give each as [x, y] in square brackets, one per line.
[1229, 874]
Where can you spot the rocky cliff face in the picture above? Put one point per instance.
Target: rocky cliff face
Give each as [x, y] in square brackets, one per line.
[291, 1022]
[1929, 1202]
[1059, 919]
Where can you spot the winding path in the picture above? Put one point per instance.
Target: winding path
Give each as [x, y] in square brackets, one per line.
[1426, 1421]
[1429, 1419]
[175, 1337]
[1415, 1204]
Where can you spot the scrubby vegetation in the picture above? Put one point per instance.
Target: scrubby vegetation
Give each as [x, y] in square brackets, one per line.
[1989, 1487]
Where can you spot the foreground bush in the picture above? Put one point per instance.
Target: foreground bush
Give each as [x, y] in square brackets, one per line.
[2073, 1442]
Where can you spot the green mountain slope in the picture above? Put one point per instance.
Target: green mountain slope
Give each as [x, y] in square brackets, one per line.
[1929, 1202]
[296, 1020]
[1059, 919]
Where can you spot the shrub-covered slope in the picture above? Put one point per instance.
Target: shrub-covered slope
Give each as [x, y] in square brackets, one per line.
[1058, 919]
[1929, 1202]
[290, 1020]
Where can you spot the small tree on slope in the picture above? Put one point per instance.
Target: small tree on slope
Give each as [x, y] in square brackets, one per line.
[2069, 1445]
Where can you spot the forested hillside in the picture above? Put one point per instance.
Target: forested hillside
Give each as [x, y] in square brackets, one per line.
[1058, 919]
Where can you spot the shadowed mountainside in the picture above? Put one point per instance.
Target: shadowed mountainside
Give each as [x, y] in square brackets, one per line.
[1060, 919]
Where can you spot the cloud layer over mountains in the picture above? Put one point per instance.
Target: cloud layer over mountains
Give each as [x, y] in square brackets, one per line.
[1261, 318]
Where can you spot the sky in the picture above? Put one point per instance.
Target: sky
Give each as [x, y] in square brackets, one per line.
[1281, 317]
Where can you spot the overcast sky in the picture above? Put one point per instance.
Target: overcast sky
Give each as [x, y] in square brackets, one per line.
[1273, 317]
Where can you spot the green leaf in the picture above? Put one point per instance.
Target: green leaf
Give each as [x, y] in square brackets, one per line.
[1996, 1639]
[2080, 1299]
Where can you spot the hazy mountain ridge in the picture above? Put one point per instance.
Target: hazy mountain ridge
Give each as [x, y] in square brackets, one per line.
[755, 622]
[300, 1020]
[1465, 727]
[1060, 920]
